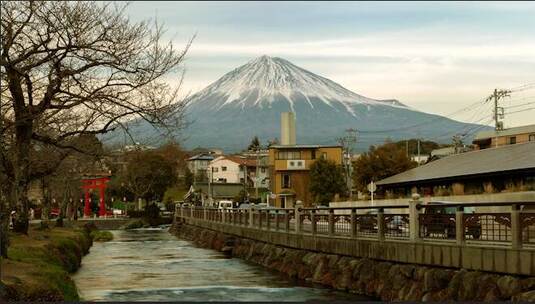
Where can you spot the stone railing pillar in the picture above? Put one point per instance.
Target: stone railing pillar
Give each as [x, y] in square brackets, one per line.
[459, 226]
[251, 217]
[205, 213]
[268, 220]
[223, 216]
[516, 227]
[353, 221]
[286, 220]
[331, 222]
[276, 219]
[191, 211]
[297, 218]
[313, 221]
[259, 219]
[381, 227]
[414, 220]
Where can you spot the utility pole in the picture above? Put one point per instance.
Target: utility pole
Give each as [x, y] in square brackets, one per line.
[418, 151]
[347, 143]
[498, 111]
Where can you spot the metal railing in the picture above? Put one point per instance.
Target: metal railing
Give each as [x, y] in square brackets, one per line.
[423, 222]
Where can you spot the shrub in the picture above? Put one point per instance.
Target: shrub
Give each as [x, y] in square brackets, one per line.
[101, 236]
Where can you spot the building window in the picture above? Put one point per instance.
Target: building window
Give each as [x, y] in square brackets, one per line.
[263, 170]
[289, 155]
[241, 180]
[215, 169]
[532, 137]
[299, 163]
[223, 168]
[313, 154]
[286, 181]
[222, 180]
[324, 155]
[512, 140]
[292, 164]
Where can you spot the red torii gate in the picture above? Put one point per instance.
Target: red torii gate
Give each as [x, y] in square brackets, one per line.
[94, 183]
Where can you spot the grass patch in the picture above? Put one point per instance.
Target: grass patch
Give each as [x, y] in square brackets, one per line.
[101, 236]
[134, 224]
[38, 264]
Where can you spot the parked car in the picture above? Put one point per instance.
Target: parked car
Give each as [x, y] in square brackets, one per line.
[225, 204]
[439, 218]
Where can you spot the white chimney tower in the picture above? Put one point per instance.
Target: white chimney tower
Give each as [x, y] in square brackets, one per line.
[287, 128]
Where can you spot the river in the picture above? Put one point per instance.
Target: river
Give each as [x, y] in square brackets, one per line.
[153, 265]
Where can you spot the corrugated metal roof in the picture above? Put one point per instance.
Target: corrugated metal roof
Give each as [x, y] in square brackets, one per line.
[505, 158]
[507, 132]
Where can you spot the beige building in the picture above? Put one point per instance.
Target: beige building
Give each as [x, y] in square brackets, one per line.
[492, 139]
[289, 166]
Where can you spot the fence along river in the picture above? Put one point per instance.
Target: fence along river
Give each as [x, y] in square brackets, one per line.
[153, 265]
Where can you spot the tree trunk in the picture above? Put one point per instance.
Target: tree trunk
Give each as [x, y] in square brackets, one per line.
[4, 228]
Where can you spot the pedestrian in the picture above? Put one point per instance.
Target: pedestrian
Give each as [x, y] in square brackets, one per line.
[12, 219]
[32, 214]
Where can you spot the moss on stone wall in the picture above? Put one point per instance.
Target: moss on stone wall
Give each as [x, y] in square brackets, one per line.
[378, 279]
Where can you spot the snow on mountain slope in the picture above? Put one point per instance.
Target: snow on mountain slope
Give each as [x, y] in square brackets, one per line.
[265, 79]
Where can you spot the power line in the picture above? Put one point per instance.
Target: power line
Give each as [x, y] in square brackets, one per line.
[520, 105]
[523, 110]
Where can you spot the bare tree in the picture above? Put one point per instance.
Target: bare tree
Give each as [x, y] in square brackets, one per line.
[73, 68]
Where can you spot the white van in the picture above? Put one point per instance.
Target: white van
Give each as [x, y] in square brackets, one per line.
[225, 204]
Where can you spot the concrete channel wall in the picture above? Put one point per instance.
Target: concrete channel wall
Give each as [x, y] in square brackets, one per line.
[432, 253]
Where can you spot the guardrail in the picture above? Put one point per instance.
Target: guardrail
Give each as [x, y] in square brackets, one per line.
[423, 222]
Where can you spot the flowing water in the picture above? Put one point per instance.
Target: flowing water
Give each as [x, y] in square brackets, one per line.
[153, 265]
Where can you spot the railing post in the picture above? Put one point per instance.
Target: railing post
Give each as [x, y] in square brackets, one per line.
[516, 228]
[251, 217]
[331, 222]
[287, 220]
[277, 220]
[205, 213]
[297, 219]
[313, 221]
[223, 216]
[414, 220]
[259, 218]
[353, 223]
[381, 224]
[191, 211]
[268, 220]
[459, 226]
[181, 211]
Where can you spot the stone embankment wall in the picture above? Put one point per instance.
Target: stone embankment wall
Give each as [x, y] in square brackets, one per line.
[383, 280]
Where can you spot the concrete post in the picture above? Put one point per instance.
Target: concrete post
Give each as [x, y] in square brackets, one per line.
[259, 219]
[313, 221]
[331, 222]
[192, 209]
[414, 221]
[353, 223]
[205, 213]
[276, 219]
[459, 226]
[268, 221]
[223, 215]
[381, 225]
[251, 217]
[516, 229]
[297, 219]
[286, 220]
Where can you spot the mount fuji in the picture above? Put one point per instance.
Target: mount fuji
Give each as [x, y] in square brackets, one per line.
[248, 101]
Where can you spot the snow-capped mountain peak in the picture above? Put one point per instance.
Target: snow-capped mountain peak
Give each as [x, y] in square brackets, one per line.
[266, 79]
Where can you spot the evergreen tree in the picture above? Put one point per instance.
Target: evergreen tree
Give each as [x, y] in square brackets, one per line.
[254, 145]
[326, 180]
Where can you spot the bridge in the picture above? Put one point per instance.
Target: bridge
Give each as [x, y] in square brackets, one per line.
[453, 236]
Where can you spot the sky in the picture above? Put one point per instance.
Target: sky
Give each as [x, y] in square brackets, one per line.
[437, 57]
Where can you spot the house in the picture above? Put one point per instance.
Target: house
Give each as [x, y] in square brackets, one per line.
[290, 164]
[506, 169]
[198, 165]
[209, 194]
[231, 169]
[493, 138]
